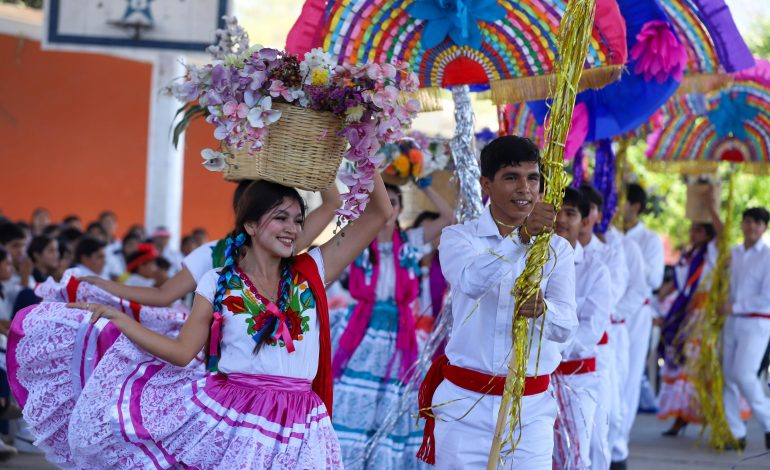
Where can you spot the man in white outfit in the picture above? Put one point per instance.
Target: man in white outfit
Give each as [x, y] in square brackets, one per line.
[586, 383]
[638, 318]
[482, 259]
[747, 329]
[612, 350]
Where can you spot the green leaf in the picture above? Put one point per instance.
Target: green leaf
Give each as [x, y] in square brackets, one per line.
[191, 113]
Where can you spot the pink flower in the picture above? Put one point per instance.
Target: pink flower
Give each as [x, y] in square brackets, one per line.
[277, 88]
[385, 97]
[658, 53]
[234, 110]
[388, 71]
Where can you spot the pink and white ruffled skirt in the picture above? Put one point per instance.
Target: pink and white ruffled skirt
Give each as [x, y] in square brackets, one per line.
[53, 350]
[139, 412]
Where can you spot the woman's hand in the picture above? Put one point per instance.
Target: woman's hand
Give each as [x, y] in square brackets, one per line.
[97, 311]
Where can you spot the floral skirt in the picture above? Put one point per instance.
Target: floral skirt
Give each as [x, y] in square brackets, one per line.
[139, 412]
[366, 393]
[677, 397]
[53, 350]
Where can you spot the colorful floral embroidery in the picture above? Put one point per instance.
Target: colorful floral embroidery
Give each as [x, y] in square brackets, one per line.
[244, 299]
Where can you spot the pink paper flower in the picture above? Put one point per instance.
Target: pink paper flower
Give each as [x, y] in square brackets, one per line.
[659, 53]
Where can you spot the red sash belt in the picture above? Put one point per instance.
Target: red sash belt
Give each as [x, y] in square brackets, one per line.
[579, 366]
[468, 379]
[605, 339]
[754, 315]
[617, 322]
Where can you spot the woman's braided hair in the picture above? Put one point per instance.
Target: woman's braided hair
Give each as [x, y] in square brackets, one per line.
[257, 199]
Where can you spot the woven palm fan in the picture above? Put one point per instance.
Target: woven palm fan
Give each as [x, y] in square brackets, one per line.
[714, 46]
[506, 46]
[696, 132]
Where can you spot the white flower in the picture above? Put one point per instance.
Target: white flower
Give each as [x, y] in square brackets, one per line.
[262, 114]
[213, 160]
[314, 59]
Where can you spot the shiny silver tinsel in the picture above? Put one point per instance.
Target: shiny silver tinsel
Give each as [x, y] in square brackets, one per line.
[469, 207]
[464, 155]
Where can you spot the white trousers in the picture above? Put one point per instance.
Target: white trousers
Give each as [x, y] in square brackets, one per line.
[608, 392]
[466, 423]
[620, 348]
[583, 397]
[744, 343]
[639, 330]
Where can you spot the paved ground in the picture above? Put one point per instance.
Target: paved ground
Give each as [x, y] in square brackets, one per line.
[649, 450]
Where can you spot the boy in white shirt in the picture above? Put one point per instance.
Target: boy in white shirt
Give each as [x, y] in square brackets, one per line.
[747, 330]
[481, 259]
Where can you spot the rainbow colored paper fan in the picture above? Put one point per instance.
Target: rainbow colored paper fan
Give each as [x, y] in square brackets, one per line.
[714, 46]
[508, 46]
[697, 132]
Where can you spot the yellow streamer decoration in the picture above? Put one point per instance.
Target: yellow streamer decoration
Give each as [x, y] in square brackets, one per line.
[574, 32]
[707, 378]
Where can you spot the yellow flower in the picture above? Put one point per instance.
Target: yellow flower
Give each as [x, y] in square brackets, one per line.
[401, 164]
[320, 77]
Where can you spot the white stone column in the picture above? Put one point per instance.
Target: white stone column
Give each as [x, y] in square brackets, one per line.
[165, 166]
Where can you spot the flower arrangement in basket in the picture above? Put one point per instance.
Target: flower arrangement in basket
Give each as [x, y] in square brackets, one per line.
[404, 162]
[291, 117]
[415, 157]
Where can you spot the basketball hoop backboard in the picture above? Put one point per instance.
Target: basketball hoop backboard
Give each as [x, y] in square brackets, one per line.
[175, 25]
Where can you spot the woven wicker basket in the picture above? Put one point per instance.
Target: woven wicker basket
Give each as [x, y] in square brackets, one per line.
[301, 150]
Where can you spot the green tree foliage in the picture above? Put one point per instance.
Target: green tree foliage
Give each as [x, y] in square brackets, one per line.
[668, 193]
[759, 39]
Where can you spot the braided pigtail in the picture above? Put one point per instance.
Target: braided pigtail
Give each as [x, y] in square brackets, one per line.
[271, 326]
[235, 241]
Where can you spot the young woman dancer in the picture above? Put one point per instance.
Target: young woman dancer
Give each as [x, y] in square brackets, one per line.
[375, 341]
[265, 318]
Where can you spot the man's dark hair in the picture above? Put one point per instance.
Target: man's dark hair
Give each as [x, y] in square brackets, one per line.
[758, 214]
[163, 263]
[505, 151]
[71, 218]
[637, 195]
[592, 195]
[70, 235]
[51, 229]
[9, 232]
[573, 198]
[96, 226]
[87, 246]
[3, 254]
[37, 245]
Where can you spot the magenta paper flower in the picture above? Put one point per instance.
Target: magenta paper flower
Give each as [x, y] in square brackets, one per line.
[659, 53]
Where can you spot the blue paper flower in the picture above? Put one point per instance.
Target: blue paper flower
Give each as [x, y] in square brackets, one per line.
[457, 19]
[731, 113]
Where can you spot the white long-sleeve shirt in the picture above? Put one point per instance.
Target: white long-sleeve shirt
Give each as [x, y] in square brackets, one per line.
[637, 290]
[613, 256]
[593, 298]
[652, 252]
[482, 267]
[750, 279]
